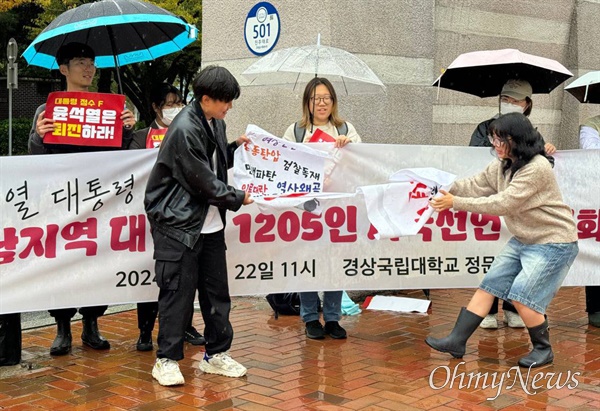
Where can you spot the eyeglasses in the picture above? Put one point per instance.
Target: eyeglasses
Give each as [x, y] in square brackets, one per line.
[497, 141]
[319, 99]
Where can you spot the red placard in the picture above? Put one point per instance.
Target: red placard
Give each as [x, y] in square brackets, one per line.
[155, 137]
[320, 136]
[85, 119]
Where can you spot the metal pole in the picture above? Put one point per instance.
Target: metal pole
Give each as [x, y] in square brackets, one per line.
[9, 120]
[11, 82]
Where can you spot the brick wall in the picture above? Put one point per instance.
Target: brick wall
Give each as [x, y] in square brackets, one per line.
[25, 100]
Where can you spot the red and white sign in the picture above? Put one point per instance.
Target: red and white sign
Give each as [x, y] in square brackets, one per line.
[319, 136]
[85, 119]
[155, 137]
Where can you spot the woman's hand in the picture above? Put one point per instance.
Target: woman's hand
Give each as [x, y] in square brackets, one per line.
[443, 202]
[43, 125]
[247, 199]
[550, 149]
[341, 141]
[128, 119]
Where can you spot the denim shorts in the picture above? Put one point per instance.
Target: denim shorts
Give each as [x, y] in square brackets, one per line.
[529, 274]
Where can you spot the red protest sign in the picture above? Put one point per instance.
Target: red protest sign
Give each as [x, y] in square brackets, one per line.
[319, 136]
[85, 119]
[155, 137]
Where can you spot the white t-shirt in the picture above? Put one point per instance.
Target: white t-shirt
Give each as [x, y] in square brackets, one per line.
[327, 128]
[213, 222]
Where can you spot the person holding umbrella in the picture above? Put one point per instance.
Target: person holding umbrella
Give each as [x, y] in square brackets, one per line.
[76, 64]
[515, 97]
[519, 185]
[166, 102]
[320, 112]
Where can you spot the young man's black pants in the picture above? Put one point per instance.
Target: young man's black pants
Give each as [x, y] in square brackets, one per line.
[180, 271]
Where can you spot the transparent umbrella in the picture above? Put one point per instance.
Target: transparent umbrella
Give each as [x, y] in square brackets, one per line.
[294, 66]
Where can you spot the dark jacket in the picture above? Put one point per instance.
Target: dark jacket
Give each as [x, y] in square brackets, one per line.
[480, 135]
[140, 136]
[36, 143]
[182, 183]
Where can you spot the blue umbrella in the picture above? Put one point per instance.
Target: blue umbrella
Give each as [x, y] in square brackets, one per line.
[120, 32]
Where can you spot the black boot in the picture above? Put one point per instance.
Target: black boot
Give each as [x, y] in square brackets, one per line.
[144, 343]
[542, 351]
[91, 336]
[62, 342]
[456, 343]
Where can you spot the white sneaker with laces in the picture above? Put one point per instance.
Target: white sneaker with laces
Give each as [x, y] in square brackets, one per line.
[490, 321]
[513, 320]
[222, 364]
[166, 372]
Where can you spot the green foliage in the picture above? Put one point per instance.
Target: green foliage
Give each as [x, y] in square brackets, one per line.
[20, 136]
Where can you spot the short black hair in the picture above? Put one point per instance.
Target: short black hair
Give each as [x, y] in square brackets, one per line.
[159, 92]
[69, 51]
[217, 83]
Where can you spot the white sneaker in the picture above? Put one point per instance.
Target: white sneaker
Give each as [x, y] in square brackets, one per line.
[222, 364]
[490, 321]
[166, 372]
[513, 320]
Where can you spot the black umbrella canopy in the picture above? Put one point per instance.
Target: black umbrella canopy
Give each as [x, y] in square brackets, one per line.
[483, 73]
[119, 31]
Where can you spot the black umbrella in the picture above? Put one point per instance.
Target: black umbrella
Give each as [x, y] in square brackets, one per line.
[483, 73]
[120, 32]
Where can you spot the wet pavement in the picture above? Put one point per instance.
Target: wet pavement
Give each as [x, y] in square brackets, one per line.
[383, 365]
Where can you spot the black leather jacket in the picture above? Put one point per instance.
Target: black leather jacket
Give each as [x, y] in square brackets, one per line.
[182, 183]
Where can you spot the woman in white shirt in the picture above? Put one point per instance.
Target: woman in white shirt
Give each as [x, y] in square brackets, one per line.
[320, 111]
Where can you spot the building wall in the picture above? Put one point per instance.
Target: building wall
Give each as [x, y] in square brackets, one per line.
[407, 43]
[27, 97]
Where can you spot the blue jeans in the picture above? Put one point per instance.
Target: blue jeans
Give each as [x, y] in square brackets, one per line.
[529, 274]
[332, 306]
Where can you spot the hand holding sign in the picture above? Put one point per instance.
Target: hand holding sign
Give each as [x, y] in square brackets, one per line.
[85, 119]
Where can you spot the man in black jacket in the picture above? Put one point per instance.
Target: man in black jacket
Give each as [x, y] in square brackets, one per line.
[77, 63]
[186, 199]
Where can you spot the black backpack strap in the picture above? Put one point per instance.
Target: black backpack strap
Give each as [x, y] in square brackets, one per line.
[343, 129]
[299, 133]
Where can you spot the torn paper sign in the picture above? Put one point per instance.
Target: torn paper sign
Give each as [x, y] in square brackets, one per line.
[401, 207]
[271, 166]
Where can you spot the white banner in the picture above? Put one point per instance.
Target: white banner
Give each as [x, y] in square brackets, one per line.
[74, 231]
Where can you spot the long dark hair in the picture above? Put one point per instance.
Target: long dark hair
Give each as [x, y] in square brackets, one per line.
[525, 142]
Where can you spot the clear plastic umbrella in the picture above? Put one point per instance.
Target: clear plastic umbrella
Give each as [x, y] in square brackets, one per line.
[586, 88]
[293, 67]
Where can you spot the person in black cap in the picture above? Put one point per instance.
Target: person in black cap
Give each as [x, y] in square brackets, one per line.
[76, 63]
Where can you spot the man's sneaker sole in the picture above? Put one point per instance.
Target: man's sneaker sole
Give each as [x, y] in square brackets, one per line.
[156, 374]
[206, 367]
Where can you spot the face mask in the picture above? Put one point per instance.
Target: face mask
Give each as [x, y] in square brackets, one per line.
[506, 108]
[169, 114]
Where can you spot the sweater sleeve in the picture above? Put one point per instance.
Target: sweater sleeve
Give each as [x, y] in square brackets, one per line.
[482, 184]
[524, 186]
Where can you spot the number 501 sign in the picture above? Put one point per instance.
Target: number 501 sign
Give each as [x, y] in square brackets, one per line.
[261, 31]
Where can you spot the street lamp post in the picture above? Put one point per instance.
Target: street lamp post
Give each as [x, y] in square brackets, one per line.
[11, 83]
